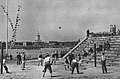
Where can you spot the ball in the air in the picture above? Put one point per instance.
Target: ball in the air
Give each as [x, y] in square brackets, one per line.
[59, 27]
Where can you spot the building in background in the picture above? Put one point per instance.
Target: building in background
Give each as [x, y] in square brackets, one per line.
[38, 38]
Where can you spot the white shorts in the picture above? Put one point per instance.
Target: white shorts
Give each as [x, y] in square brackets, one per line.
[39, 59]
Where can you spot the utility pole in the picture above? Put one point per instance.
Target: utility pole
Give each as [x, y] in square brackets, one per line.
[7, 26]
[95, 54]
[1, 57]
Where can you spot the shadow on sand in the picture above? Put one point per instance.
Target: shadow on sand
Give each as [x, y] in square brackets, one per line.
[110, 72]
[56, 76]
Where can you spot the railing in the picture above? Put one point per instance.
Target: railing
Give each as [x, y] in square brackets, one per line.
[75, 47]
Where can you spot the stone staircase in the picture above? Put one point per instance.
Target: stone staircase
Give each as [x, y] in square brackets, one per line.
[112, 55]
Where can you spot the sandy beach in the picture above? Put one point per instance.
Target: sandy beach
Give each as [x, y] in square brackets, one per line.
[32, 71]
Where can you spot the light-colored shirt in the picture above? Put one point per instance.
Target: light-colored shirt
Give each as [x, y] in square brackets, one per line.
[47, 59]
[74, 60]
[103, 58]
[4, 62]
[23, 57]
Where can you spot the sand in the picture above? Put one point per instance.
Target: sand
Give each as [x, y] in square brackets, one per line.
[32, 71]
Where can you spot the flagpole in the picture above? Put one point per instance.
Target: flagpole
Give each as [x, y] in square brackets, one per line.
[7, 26]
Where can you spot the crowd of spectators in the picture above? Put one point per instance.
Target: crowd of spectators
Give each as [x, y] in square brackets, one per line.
[113, 31]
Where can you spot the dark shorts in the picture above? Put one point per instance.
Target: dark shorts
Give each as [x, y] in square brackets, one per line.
[48, 66]
[103, 63]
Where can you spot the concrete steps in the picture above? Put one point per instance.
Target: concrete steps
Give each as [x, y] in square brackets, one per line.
[112, 55]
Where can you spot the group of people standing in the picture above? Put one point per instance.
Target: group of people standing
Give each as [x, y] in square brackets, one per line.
[9, 56]
[105, 46]
[47, 60]
[41, 58]
[21, 58]
[72, 62]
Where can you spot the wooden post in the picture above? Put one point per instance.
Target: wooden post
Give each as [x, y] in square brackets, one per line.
[1, 58]
[95, 55]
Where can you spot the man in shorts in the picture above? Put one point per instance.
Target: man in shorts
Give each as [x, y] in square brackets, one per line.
[47, 64]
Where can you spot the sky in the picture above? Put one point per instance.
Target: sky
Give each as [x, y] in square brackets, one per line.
[73, 16]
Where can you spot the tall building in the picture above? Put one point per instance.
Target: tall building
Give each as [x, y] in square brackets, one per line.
[38, 38]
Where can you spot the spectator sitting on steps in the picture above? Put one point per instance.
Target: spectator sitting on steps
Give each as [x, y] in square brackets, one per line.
[90, 50]
[84, 53]
[108, 45]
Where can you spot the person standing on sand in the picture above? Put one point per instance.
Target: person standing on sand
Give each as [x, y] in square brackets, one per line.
[66, 63]
[80, 59]
[57, 55]
[47, 64]
[71, 56]
[5, 66]
[74, 64]
[54, 57]
[11, 56]
[103, 62]
[23, 60]
[40, 58]
[17, 57]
